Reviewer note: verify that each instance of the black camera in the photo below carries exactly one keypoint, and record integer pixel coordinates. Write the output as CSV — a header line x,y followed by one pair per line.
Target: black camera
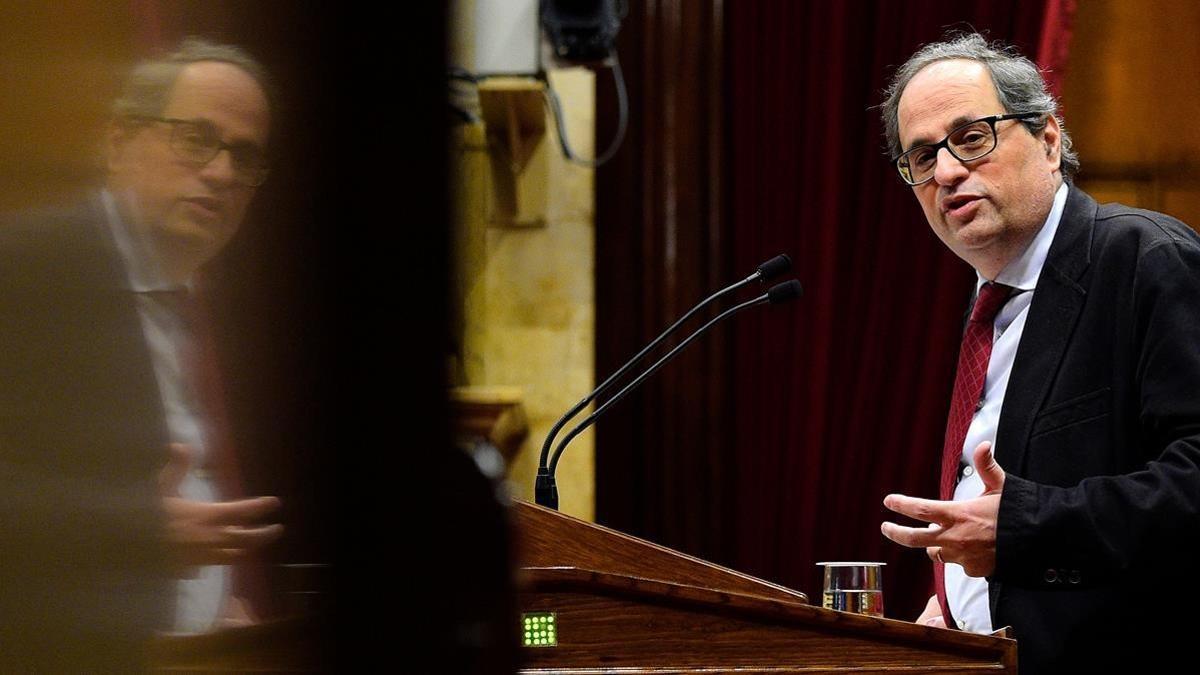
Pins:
x,y
582,31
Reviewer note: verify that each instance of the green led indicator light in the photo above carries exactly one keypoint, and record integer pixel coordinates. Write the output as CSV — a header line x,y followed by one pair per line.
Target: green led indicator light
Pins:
x,y
539,629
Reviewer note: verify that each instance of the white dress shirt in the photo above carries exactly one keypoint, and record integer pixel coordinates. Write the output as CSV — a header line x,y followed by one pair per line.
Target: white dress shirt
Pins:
x,y
968,596
200,597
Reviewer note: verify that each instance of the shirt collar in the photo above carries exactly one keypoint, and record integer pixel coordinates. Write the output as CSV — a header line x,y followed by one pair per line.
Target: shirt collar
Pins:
x,y
137,253
1023,272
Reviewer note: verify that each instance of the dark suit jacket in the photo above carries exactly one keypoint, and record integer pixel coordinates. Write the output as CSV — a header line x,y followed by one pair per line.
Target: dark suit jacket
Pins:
x,y
82,436
1099,524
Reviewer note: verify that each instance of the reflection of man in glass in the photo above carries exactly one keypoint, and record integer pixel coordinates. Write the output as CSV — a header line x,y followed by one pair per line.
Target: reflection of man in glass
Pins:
x,y
186,151
106,445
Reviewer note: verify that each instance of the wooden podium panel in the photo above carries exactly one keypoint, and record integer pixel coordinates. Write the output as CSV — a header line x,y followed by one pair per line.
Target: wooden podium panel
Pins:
x,y
625,605
547,538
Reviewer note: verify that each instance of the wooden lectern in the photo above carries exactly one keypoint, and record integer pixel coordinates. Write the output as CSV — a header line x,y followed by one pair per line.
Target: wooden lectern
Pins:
x,y
620,604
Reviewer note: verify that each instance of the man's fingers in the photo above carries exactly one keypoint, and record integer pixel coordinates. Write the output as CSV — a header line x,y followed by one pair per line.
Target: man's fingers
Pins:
x,y
242,540
218,533
934,553
236,613
921,509
249,537
932,608
912,537
243,510
239,512
928,510
989,470
229,536
223,545
217,556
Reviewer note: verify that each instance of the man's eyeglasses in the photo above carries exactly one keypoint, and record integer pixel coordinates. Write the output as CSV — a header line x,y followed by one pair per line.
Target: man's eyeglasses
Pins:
x,y
199,142
967,142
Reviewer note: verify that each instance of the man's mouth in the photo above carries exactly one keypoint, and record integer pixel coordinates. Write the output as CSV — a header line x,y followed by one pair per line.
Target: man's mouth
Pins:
x,y
959,205
207,205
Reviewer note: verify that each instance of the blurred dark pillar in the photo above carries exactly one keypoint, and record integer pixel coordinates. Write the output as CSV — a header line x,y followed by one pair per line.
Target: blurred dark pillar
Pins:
x,y
334,307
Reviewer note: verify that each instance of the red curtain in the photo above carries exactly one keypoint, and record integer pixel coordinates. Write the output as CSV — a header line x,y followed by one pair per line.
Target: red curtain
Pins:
x,y
1054,45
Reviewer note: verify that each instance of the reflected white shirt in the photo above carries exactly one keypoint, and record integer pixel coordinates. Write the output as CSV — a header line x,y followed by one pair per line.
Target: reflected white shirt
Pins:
x,y
199,598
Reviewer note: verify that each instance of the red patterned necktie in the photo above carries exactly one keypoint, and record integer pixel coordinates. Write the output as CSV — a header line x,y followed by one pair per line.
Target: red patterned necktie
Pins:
x,y
199,366
973,357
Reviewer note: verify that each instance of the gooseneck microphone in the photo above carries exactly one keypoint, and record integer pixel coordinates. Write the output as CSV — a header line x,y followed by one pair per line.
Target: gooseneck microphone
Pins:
x,y
545,489
784,292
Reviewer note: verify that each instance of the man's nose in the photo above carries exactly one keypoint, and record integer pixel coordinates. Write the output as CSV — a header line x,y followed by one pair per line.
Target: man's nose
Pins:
x,y
219,169
949,169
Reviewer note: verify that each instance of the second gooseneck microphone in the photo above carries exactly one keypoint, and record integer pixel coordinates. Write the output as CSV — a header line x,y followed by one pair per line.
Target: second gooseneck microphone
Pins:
x,y
545,488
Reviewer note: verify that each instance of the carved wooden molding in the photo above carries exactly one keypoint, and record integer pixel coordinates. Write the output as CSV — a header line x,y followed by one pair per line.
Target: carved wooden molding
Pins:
x,y
494,413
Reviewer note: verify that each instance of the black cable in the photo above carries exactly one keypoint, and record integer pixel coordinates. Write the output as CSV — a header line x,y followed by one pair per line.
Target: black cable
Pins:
x,y
462,112
456,73
463,115
587,421
622,118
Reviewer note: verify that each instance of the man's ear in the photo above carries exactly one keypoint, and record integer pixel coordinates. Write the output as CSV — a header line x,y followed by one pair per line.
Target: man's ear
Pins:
x,y
1052,137
116,141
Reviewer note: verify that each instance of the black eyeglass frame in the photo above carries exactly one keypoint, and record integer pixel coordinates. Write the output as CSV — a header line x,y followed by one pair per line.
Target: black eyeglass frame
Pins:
x,y
945,142
248,173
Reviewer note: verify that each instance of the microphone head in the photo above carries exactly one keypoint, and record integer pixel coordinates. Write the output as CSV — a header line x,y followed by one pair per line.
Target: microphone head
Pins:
x,y
774,267
788,290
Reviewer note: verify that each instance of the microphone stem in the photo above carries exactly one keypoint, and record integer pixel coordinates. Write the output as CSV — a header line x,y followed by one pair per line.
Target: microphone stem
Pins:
x,y
604,386
642,378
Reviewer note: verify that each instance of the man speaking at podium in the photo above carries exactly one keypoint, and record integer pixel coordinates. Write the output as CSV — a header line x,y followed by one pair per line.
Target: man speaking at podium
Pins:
x,y
1070,491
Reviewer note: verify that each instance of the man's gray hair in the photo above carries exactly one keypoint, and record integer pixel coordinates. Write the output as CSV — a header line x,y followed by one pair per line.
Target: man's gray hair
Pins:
x,y
1019,87
149,84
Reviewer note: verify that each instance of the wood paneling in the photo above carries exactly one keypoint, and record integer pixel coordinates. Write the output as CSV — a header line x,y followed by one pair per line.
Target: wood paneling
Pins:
x,y
59,69
549,539
1132,103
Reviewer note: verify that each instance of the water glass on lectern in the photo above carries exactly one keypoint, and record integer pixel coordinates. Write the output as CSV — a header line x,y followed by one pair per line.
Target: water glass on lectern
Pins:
x,y
853,587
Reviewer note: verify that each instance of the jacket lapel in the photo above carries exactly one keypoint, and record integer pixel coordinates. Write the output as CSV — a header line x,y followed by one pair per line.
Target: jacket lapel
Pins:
x,y
1057,302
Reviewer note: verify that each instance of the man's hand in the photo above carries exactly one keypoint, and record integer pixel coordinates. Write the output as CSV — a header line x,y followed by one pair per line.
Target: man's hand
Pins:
x,y
932,615
236,614
959,532
212,533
